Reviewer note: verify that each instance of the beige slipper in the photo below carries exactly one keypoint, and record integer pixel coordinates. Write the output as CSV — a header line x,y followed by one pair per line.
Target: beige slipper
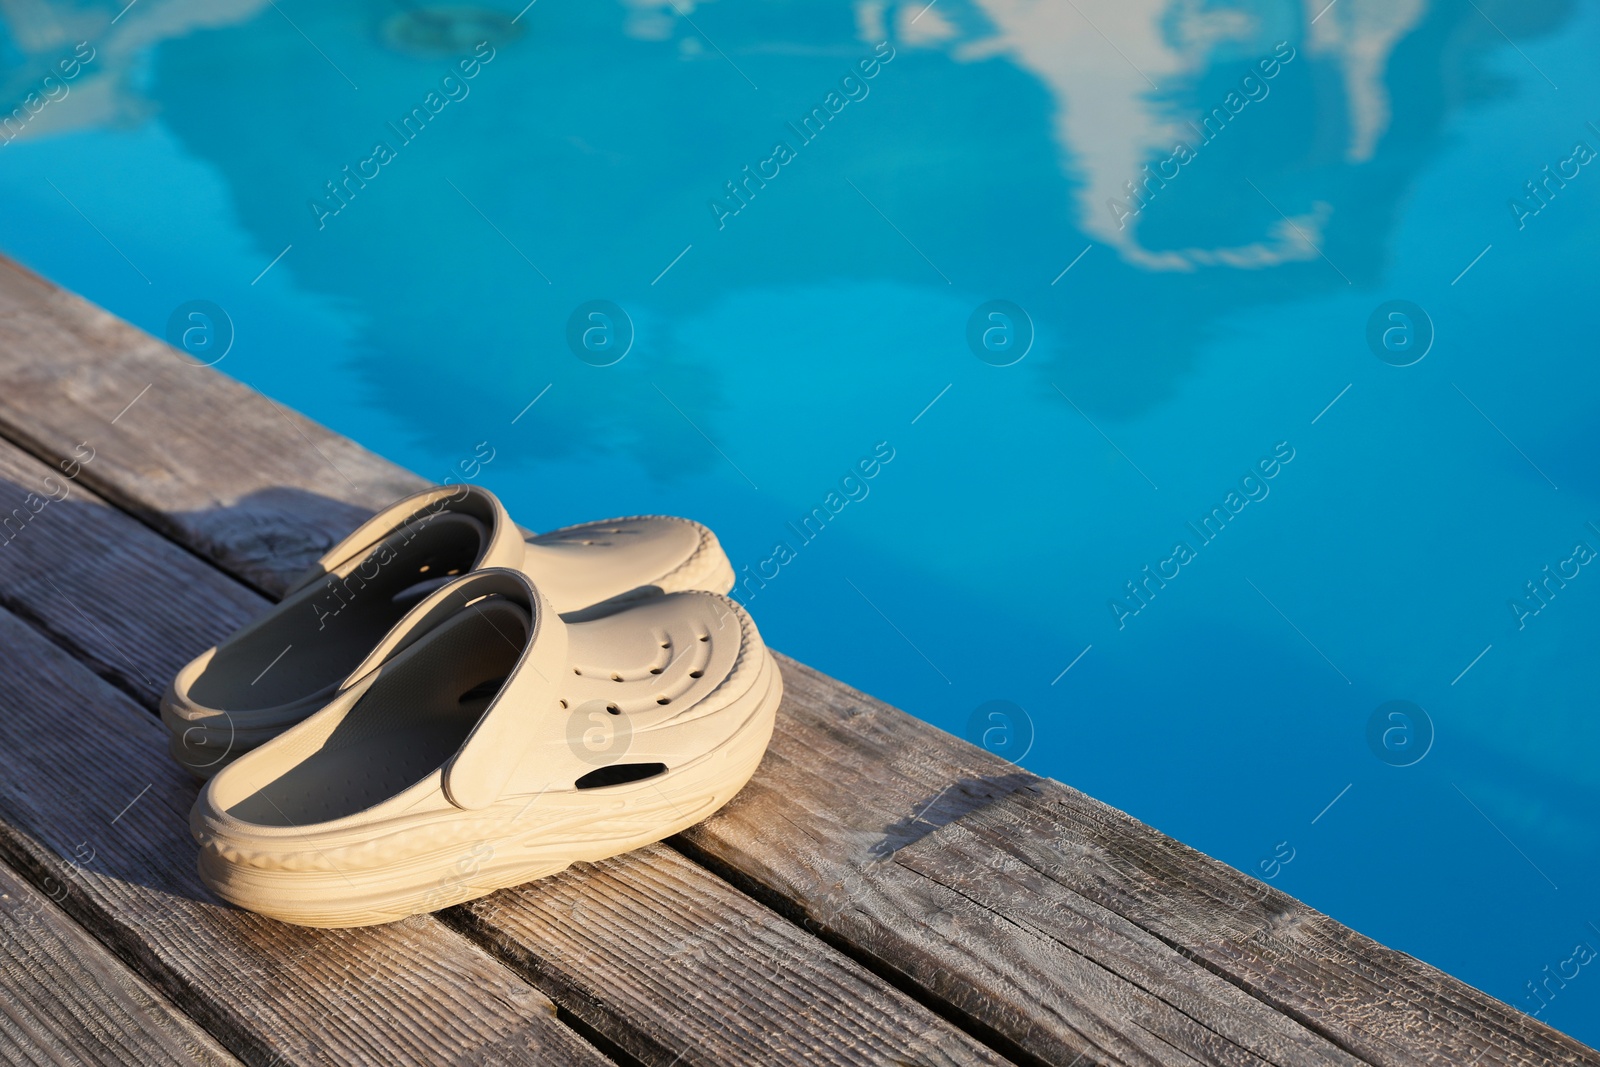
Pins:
x,y
487,743
282,667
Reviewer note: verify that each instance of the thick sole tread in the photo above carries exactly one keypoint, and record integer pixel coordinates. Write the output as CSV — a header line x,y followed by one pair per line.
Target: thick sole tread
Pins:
x,y
649,811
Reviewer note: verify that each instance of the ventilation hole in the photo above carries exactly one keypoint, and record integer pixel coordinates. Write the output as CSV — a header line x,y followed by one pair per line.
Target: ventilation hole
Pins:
x,y
423,569
696,674
705,637
482,691
615,677
620,774
563,704
576,671
663,700
585,542
666,644
655,670
613,709
453,570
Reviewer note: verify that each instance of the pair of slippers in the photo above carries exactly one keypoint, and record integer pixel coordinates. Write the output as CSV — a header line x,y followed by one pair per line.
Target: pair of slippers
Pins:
x,y
440,709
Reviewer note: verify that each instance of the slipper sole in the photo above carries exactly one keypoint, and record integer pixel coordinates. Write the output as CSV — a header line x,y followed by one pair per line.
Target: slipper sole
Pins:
x,y
531,842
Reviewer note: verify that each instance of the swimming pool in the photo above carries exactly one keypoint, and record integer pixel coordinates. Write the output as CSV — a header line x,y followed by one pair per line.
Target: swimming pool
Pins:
x,y
1193,403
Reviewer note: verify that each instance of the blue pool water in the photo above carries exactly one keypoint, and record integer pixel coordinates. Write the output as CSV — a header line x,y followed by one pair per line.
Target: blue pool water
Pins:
x,y
1335,691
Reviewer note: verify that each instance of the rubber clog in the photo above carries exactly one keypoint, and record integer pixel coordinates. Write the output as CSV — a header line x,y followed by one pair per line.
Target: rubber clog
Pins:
x,y
487,743
280,668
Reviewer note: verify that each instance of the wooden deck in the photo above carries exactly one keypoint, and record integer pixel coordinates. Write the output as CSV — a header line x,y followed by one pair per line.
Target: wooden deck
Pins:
x,y
881,893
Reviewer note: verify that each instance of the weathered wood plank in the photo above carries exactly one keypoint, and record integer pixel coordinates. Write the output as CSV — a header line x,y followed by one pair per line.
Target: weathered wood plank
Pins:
x,y
1288,953
231,477
852,822
650,948
108,573
888,823
65,999
92,808
1046,970
62,549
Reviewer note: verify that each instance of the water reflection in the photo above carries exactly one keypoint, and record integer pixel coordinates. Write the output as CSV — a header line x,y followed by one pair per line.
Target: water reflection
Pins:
x,y
36,35
1135,84
1204,144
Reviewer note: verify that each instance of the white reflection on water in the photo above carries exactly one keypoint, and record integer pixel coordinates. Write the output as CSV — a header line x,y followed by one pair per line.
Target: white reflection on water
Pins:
x,y
107,94
1120,73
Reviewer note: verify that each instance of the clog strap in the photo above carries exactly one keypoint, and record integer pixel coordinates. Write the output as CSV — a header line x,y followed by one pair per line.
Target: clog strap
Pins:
x,y
476,776
497,746
505,547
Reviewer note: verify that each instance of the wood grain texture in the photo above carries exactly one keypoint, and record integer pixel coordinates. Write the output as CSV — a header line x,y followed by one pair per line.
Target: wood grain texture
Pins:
x,y
678,969
859,788
235,474
94,813
84,569
65,999
64,551
1067,930
934,858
